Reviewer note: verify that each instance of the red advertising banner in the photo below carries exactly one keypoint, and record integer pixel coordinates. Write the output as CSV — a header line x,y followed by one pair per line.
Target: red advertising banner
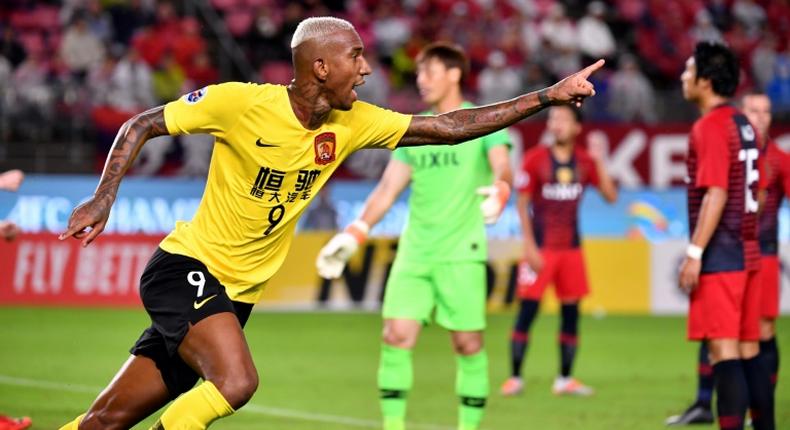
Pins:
x,y
639,155
42,270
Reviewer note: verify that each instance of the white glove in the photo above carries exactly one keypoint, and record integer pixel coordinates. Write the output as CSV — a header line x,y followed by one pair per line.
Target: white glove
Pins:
x,y
496,195
334,255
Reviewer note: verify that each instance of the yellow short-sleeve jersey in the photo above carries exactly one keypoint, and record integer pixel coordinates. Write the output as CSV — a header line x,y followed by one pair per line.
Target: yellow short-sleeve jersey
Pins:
x,y
265,168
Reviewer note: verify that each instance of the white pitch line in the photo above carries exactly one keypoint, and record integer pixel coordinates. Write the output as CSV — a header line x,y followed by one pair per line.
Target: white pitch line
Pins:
x,y
248,408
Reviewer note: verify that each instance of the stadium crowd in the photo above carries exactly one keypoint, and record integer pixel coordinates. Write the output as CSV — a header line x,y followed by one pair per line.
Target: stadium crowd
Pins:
x,y
84,66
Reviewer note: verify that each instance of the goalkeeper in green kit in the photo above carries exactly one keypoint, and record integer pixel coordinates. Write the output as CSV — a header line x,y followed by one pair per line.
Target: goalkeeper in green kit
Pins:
x,y
440,268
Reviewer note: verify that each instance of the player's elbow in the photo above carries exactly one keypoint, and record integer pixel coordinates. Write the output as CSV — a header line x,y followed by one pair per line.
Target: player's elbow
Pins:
x,y
611,195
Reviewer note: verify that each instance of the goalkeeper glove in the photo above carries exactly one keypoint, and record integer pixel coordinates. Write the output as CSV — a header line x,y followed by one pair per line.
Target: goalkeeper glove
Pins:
x,y
335,254
496,195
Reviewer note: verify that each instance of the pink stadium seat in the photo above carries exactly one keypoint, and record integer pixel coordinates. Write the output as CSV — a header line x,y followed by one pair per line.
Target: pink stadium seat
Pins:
x,y
32,41
255,4
23,20
225,5
277,72
239,21
47,18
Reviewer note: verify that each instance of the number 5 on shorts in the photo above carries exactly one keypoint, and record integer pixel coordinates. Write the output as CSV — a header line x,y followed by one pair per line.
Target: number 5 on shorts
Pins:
x,y
197,279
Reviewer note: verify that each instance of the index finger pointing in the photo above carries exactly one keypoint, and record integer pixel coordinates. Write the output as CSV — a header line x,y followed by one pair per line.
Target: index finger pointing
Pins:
x,y
589,70
72,230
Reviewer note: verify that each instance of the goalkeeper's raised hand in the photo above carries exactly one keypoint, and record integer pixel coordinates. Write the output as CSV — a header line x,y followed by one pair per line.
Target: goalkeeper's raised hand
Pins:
x,y
335,254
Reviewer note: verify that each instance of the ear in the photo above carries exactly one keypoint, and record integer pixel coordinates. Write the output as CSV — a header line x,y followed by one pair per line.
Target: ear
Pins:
x,y
320,69
454,75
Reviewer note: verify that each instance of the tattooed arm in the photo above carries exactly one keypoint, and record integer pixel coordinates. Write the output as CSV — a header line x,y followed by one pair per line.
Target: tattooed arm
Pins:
x,y
465,124
133,134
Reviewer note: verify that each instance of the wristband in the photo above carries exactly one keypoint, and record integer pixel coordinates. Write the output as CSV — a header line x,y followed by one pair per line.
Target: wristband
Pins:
x,y
694,252
359,229
543,98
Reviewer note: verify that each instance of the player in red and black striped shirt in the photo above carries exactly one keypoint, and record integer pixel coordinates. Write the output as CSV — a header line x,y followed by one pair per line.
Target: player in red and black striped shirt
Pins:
x,y
776,169
720,271
552,180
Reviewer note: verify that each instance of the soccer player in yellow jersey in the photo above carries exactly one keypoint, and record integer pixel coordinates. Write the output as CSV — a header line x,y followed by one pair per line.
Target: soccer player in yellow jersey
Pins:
x,y
275,148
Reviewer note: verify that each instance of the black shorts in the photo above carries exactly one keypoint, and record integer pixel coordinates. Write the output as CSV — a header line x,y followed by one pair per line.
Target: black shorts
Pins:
x,y
178,291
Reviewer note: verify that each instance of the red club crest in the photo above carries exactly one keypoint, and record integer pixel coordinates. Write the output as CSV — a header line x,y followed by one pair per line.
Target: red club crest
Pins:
x,y
324,148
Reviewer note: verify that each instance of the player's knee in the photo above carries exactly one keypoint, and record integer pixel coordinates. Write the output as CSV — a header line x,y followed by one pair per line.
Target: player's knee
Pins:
x,y
238,388
468,346
393,336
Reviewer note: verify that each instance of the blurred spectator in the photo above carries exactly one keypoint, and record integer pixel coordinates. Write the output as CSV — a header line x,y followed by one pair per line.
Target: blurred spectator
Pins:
x,y
720,13
265,43
368,163
151,46
560,35
80,49
201,71
197,154
188,43
377,87
534,77
595,39
30,91
390,27
99,21
498,81
703,29
168,79
10,48
631,95
750,14
779,87
322,215
127,18
117,97
764,61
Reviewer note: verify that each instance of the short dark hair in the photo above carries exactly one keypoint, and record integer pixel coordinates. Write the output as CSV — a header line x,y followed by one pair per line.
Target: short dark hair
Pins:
x,y
450,54
718,64
578,116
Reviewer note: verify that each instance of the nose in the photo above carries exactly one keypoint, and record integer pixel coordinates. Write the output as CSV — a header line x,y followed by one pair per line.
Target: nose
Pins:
x,y
365,69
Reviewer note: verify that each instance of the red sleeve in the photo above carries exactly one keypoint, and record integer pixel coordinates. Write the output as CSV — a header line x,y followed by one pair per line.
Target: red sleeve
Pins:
x,y
526,178
762,167
713,154
591,167
785,173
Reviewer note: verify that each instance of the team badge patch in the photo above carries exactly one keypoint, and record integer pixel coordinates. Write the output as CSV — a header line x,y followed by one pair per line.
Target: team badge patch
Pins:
x,y
324,148
195,96
564,175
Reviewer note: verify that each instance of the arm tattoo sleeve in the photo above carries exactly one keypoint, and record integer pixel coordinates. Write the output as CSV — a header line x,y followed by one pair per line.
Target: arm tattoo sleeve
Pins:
x,y
128,142
465,124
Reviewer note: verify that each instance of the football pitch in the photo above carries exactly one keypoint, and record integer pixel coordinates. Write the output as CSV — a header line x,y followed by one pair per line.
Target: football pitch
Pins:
x,y
318,371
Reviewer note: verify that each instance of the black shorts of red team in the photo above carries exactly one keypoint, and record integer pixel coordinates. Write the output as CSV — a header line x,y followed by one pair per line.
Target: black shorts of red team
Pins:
x,y
723,153
179,291
555,190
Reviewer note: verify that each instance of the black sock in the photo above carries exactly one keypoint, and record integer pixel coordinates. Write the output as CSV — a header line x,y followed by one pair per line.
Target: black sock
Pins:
x,y
761,394
519,339
568,337
732,397
704,377
770,354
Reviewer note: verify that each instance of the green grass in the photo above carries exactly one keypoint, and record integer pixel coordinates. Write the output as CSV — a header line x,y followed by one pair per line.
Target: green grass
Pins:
x,y
322,364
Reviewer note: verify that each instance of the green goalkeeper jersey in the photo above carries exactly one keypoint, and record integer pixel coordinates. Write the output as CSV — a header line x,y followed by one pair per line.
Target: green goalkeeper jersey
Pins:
x,y
444,221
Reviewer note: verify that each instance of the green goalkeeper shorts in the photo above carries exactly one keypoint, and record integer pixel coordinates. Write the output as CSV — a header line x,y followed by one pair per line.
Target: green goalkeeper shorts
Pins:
x,y
455,290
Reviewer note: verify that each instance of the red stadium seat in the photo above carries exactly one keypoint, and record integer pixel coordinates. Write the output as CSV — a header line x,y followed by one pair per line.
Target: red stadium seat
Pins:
x,y
239,21
32,41
278,72
225,5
